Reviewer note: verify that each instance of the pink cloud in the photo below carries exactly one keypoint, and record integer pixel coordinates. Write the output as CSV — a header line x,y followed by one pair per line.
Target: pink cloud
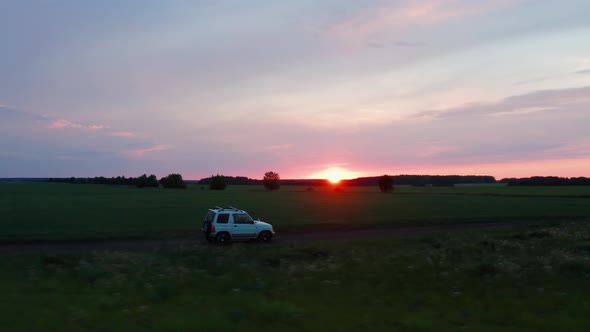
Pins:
x,y
142,152
63,123
393,17
122,134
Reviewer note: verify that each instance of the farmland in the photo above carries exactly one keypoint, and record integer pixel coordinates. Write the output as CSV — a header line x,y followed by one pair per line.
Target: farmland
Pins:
x,y
32,211
526,278
529,279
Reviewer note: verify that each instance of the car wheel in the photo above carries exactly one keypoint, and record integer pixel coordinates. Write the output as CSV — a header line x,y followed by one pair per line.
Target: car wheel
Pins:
x,y
222,239
265,237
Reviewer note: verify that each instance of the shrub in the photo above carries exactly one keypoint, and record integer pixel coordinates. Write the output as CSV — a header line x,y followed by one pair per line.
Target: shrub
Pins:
x,y
386,183
152,181
271,180
173,181
217,182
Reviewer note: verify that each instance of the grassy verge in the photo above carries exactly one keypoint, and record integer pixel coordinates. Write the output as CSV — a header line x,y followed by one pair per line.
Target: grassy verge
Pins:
x,y
533,279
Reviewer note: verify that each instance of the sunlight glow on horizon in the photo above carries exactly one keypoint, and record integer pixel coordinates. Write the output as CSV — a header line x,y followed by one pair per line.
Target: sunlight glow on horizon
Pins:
x,y
335,174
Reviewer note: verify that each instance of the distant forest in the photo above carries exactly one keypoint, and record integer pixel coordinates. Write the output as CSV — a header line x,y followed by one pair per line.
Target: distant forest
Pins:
x,y
417,180
411,180
547,181
414,180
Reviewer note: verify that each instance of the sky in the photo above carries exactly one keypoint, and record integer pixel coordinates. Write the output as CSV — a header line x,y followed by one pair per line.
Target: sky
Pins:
x,y
304,88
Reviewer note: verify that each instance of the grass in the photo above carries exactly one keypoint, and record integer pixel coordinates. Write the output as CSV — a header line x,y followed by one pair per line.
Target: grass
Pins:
x,y
64,211
531,279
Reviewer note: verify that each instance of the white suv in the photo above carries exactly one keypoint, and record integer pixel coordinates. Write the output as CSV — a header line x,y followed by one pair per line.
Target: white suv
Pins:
x,y
231,224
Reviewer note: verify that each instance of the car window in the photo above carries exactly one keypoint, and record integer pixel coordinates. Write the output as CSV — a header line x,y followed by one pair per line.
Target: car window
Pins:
x,y
222,218
242,218
210,216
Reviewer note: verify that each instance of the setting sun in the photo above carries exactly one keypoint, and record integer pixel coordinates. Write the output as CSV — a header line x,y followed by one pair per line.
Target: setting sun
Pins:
x,y
334,178
335,174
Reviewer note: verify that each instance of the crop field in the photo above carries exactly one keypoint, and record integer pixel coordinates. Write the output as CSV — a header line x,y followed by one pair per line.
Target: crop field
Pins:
x,y
528,279
32,211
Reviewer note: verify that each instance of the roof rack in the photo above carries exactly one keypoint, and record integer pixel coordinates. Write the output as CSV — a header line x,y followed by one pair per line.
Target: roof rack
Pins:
x,y
225,209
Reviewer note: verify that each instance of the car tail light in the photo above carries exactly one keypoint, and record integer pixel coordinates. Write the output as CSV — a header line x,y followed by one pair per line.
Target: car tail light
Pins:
x,y
212,228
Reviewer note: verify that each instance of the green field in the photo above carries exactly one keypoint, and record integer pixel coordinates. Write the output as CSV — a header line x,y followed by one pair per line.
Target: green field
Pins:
x,y
535,279
66,211
529,278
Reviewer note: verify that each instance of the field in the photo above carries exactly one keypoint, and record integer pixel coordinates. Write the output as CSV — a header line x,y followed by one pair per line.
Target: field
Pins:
x,y
526,278
32,211
535,279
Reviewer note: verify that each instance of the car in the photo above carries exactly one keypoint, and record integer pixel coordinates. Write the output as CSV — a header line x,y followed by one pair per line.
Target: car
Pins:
x,y
224,225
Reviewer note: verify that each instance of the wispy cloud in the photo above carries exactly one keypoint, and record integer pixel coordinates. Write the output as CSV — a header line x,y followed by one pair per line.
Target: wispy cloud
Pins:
x,y
142,152
63,123
405,43
583,71
533,80
539,101
122,134
393,16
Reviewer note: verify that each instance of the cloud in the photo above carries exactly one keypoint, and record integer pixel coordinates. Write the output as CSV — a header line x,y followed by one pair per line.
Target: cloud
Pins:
x,y
9,113
394,17
404,43
538,126
400,43
144,151
63,123
23,118
539,101
583,71
122,134
533,80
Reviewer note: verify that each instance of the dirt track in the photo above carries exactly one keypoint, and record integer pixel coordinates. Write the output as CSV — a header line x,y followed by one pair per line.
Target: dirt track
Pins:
x,y
344,235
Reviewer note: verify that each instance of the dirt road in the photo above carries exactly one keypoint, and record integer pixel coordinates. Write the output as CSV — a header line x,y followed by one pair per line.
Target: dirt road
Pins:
x,y
54,247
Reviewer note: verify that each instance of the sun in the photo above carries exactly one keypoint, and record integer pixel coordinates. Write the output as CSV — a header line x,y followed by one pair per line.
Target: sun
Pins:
x,y
334,177
335,174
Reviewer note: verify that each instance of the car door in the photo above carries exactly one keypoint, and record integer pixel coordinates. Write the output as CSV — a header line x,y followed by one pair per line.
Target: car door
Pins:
x,y
222,222
243,226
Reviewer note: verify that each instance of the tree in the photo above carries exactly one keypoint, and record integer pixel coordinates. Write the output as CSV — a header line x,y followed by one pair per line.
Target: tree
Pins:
x,y
271,180
385,183
217,182
152,181
173,181
140,182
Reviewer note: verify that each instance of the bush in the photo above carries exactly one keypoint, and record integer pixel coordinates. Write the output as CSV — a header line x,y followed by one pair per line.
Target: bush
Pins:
x,y
217,182
271,180
140,181
152,181
173,181
386,183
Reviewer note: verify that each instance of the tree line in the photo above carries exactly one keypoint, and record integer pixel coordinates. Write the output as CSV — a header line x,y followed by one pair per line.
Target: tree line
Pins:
x,y
272,181
413,180
547,181
174,181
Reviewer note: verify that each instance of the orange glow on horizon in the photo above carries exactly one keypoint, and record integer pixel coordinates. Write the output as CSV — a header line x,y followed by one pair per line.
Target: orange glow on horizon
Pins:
x,y
335,174
573,167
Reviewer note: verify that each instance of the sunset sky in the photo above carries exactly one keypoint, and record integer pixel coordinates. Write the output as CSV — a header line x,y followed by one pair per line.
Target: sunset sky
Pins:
x,y
303,88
